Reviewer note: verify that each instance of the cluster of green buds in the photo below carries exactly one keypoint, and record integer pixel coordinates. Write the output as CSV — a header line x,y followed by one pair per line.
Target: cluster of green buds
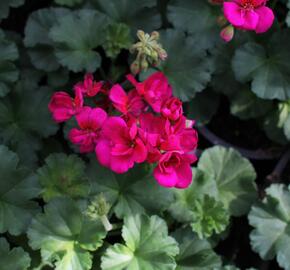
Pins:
x,y
99,209
149,51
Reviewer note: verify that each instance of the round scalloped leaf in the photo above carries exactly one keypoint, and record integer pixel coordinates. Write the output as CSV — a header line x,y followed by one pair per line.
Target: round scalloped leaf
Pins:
x,y
198,18
188,70
69,3
40,45
133,192
14,259
232,178
246,105
133,13
20,126
192,206
63,175
271,221
275,122
8,70
194,254
76,37
17,188
147,246
266,67
5,6
65,235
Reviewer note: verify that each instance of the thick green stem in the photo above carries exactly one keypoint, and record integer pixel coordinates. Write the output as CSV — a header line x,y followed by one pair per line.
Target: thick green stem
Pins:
x,y
108,226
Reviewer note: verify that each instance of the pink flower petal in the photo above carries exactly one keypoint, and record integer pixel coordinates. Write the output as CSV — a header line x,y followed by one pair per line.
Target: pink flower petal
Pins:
x,y
266,19
165,180
251,20
184,174
233,13
103,152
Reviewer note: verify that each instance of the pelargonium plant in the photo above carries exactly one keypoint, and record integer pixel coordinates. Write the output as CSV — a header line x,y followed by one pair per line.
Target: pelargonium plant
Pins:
x,y
144,125
144,135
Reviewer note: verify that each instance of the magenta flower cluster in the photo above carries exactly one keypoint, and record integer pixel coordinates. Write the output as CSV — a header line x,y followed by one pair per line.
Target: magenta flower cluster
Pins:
x,y
145,124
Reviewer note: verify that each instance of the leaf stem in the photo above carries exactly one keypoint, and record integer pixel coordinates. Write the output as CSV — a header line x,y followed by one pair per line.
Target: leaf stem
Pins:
x,y
279,168
258,154
108,226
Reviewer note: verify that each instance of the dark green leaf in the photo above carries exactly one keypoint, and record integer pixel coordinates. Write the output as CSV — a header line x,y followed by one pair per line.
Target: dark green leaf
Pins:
x,y
63,175
17,187
195,254
76,36
133,192
266,67
65,236
14,259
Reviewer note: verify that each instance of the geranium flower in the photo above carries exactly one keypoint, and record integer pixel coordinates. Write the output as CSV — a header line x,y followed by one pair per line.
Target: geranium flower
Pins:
x,y
172,109
126,103
249,14
155,89
89,87
173,170
90,122
63,106
120,146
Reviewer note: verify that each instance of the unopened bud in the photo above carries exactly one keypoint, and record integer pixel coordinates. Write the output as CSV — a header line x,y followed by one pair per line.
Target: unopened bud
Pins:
x,y
227,33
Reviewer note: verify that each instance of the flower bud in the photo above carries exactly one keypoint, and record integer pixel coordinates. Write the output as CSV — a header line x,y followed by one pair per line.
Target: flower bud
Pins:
x,y
227,33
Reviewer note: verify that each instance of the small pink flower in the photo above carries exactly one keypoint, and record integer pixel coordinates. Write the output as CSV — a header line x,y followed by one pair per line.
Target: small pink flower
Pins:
x,y
90,122
152,132
172,109
187,136
249,14
126,103
89,87
155,89
63,106
173,170
120,147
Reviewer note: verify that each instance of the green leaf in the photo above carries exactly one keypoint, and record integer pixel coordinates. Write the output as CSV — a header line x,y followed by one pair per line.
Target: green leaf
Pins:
x,y
209,216
271,221
203,107
69,3
8,70
135,14
198,18
195,254
17,187
275,122
205,214
188,70
266,67
63,175
76,36
65,236
130,193
117,37
14,259
5,5
246,105
20,126
40,45
232,178
147,246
